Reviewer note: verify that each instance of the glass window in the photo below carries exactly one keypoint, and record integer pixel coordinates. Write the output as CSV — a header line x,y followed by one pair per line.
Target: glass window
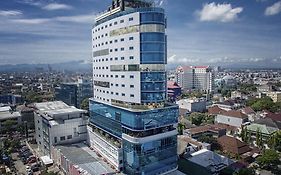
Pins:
x,y
150,17
153,58
131,19
131,38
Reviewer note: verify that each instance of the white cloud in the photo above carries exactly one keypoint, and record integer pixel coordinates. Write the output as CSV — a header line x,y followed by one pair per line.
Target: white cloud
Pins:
x,y
219,12
274,9
10,13
31,21
174,60
87,18
56,6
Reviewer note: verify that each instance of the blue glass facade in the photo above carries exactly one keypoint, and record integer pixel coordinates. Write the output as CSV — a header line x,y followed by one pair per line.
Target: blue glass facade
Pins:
x,y
112,119
153,87
152,157
152,17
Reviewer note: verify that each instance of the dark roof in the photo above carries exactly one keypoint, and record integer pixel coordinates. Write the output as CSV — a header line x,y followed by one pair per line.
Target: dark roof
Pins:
x,y
269,122
234,113
248,110
214,110
233,145
227,102
274,116
202,129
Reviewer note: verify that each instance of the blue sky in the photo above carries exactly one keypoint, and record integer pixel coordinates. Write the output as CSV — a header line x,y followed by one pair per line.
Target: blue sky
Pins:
x,y
246,32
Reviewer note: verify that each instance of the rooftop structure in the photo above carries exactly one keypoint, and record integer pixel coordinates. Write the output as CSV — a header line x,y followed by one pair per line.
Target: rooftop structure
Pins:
x,y
6,113
81,159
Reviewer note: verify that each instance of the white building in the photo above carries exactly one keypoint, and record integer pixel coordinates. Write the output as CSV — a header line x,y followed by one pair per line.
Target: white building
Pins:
x,y
232,118
57,123
129,115
193,105
195,78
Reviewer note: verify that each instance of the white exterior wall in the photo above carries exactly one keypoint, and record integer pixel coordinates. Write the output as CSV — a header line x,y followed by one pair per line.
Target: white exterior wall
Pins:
x,y
197,78
192,106
105,95
112,153
232,121
68,128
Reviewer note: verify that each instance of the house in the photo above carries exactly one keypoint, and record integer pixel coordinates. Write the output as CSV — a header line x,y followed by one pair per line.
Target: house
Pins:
x,y
233,145
215,110
232,118
174,90
203,162
189,145
275,117
227,105
207,130
266,131
252,116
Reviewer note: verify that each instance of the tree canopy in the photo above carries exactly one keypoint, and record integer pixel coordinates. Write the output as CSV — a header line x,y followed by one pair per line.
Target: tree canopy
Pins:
x,y
269,160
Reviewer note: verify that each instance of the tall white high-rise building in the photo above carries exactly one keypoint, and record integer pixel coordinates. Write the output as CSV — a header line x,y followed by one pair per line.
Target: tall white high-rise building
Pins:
x,y
131,124
195,78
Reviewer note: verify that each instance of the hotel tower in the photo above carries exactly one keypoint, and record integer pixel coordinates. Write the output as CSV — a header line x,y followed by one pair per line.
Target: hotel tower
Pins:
x,y
131,124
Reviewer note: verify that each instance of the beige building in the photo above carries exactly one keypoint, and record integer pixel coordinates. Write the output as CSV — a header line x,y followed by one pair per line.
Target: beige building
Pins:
x,y
275,96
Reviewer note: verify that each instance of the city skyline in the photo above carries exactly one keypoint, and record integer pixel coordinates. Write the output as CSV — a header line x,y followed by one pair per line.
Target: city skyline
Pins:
x,y
225,32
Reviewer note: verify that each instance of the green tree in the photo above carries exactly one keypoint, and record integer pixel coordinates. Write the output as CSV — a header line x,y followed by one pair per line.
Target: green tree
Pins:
x,y
85,104
264,103
259,138
197,118
181,127
244,134
8,125
274,142
269,160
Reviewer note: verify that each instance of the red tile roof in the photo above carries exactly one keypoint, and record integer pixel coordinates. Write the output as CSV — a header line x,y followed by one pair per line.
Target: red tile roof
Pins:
x,y
172,85
234,113
274,116
206,128
233,145
215,110
248,110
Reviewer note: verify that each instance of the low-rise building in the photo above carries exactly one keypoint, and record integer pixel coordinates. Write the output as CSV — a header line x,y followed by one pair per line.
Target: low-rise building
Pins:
x,y
252,116
265,131
232,118
275,96
207,130
6,113
204,162
57,123
193,105
233,145
174,90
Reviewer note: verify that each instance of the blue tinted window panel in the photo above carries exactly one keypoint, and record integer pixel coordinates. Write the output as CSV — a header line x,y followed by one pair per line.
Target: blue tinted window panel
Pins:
x,y
152,18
